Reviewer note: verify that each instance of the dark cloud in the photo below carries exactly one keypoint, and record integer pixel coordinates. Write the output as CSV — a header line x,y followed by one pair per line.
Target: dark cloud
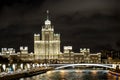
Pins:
x,y
90,23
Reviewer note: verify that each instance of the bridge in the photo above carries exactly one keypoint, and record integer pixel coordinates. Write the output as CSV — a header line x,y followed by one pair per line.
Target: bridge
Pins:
x,y
42,68
60,66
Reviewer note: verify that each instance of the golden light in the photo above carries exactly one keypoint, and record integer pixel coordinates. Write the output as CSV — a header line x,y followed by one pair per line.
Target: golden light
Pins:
x,y
94,72
49,72
62,72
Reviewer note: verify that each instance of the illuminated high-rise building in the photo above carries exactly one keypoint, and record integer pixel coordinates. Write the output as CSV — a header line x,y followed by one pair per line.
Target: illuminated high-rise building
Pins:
x,y
47,45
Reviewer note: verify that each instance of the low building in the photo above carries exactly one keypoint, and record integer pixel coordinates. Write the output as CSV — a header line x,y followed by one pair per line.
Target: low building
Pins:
x,y
24,55
8,51
83,57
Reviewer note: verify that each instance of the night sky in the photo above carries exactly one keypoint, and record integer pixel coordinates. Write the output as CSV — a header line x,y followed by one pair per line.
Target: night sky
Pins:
x,y
92,24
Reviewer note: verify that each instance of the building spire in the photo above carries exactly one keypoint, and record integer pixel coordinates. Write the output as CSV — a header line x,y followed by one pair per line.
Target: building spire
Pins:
x,y
47,14
47,21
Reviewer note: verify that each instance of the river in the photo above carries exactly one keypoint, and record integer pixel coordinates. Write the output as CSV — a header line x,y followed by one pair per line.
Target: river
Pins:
x,y
74,75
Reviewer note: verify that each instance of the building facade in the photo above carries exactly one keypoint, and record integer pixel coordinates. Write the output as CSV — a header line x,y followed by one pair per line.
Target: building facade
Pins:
x,y
84,56
47,49
47,45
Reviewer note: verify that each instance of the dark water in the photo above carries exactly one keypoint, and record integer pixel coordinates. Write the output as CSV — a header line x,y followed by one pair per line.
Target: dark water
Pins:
x,y
74,75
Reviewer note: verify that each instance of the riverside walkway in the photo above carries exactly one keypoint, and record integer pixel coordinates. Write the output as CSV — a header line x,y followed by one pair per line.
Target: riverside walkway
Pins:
x,y
24,73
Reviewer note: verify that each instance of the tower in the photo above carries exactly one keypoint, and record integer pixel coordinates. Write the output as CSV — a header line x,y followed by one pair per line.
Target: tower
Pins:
x,y
48,47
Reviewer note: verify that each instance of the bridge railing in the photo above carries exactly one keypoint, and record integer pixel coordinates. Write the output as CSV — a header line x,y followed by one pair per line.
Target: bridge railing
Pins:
x,y
59,66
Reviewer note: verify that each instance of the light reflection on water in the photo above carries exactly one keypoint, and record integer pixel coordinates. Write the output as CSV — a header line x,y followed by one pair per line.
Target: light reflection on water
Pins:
x,y
74,75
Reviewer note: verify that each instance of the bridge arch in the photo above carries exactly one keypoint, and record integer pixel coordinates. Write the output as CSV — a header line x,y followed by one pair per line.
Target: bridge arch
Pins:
x,y
71,65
